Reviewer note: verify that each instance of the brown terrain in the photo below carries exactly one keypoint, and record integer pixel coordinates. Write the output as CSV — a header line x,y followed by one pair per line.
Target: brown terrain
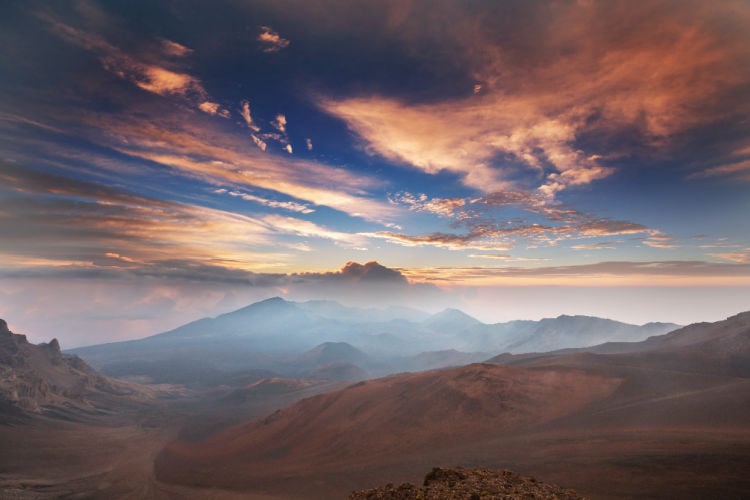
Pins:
x,y
67,431
37,378
663,418
659,421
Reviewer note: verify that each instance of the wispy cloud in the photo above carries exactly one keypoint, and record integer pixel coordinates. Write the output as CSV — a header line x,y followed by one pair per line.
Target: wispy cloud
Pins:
x,y
599,245
247,116
292,206
308,229
202,149
445,207
545,223
739,170
84,224
271,41
738,257
649,273
658,240
155,76
175,49
72,226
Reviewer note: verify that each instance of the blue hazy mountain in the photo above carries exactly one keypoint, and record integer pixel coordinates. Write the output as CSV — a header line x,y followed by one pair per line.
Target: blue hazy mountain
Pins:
x,y
282,337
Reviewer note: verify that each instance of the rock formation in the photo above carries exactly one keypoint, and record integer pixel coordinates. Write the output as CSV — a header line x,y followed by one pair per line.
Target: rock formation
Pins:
x,y
459,483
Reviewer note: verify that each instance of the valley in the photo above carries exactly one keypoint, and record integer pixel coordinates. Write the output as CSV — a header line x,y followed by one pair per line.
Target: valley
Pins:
x,y
663,417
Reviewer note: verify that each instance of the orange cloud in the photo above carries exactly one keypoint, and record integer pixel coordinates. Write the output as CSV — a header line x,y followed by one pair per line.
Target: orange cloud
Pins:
x,y
445,207
738,257
657,240
155,77
739,170
174,49
279,123
270,40
489,229
245,113
214,109
307,229
656,273
604,68
200,149
286,205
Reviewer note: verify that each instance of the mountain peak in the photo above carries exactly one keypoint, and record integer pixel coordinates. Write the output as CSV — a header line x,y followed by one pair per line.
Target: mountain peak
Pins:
x,y
452,315
270,304
272,300
4,328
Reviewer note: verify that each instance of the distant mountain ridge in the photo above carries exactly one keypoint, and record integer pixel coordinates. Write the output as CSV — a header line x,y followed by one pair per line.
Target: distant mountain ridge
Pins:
x,y
274,333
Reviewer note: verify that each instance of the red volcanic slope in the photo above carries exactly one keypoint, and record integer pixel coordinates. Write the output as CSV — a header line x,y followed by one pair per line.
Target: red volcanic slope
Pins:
x,y
393,416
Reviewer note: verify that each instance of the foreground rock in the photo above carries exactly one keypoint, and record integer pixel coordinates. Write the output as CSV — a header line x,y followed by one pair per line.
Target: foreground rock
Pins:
x,y
464,484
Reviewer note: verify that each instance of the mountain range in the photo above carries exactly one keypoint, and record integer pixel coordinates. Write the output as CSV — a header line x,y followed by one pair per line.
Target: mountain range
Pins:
x,y
664,417
291,338
661,418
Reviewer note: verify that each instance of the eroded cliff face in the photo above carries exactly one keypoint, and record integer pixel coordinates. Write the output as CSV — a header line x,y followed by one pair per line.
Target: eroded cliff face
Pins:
x,y
35,377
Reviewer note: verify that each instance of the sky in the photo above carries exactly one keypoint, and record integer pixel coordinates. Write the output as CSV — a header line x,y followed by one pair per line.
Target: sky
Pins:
x,y
162,161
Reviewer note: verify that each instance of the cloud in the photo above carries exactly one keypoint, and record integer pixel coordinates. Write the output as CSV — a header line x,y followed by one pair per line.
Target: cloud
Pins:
x,y
552,78
174,49
155,76
178,140
546,222
75,225
309,144
286,205
498,256
465,137
270,41
279,123
355,273
738,257
445,207
81,225
245,113
303,228
599,245
213,109
620,273
738,170
259,142
657,240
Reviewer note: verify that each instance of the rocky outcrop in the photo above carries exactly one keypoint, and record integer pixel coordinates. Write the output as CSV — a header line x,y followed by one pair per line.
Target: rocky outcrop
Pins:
x,y
34,378
459,483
